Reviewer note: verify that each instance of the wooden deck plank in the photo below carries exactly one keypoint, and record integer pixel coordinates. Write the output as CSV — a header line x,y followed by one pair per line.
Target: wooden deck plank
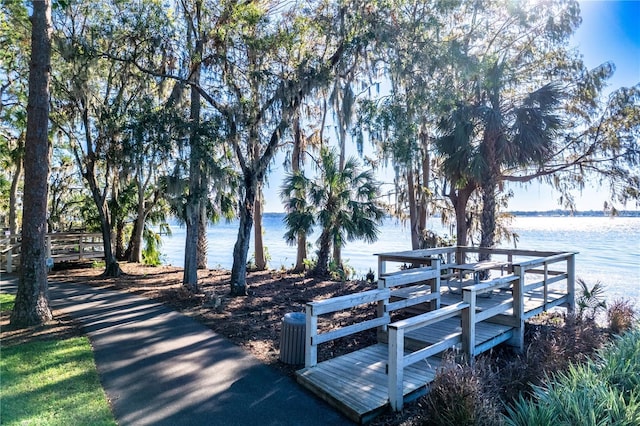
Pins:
x,y
533,300
356,383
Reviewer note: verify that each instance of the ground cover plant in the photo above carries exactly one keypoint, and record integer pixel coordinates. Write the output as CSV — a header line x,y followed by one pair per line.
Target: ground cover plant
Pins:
x,y
603,391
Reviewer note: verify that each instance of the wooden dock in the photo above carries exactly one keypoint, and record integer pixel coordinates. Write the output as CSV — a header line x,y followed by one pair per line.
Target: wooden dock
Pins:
x,y
437,317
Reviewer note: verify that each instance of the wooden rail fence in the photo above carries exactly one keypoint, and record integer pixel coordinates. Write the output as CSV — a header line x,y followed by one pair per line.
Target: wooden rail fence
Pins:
x,y
61,247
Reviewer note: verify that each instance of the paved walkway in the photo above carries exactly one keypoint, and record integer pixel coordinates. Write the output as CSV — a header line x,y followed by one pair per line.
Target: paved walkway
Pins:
x,y
160,367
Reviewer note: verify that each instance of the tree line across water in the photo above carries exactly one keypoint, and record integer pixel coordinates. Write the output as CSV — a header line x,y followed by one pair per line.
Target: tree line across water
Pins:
x,y
179,108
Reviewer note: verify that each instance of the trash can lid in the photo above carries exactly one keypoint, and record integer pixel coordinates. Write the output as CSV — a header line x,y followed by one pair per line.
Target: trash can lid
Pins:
x,y
294,318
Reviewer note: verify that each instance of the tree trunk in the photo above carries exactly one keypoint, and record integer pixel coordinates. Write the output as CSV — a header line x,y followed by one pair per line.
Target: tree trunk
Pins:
x,y
13,194
322,266
194,198
459,198
138,230
32,299
190,275
241,248
301,253
201,253
488,218
413,211
261,261
296,162
337,255
120,249
423,195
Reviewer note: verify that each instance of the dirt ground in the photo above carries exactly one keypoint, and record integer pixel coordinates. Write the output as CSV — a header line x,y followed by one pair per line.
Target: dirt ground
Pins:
x,y
252,322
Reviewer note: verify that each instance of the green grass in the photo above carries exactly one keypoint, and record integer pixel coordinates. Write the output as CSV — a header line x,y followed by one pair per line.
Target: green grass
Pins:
x,y
6,302
52,382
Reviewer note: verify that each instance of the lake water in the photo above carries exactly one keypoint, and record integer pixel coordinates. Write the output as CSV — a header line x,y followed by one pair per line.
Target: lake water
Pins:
x,y
609,248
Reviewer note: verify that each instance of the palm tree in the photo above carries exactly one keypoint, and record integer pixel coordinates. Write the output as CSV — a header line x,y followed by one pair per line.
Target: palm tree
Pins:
x,y
300,217
484,137
346,207
515,134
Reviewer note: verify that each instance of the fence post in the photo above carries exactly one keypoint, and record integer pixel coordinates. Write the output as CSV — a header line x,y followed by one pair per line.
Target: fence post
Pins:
x,y
571,282
310,348
518,309
81,245
435,286
469,324
395,368
381,310
9,259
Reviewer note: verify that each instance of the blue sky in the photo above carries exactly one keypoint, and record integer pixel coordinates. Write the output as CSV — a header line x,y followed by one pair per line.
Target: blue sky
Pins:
x,y
610,31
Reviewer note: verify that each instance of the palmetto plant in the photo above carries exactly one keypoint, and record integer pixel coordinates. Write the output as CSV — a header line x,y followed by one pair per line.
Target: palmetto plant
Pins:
x,y
590,300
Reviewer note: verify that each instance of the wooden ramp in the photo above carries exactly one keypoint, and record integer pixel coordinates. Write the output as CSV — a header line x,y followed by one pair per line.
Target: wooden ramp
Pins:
x,y
357,383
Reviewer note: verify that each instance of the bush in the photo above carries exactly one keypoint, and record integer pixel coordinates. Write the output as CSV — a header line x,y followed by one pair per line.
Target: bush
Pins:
x,y
621,316
605,391
461,395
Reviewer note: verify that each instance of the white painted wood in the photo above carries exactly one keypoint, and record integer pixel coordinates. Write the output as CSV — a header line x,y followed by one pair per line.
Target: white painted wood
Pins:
x,y
350,329
469,323
396,367
428,318
347,301
498,309
431,350
410,276
310,350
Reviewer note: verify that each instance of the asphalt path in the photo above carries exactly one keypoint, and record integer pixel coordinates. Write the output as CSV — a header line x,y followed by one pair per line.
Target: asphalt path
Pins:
x,y
160,367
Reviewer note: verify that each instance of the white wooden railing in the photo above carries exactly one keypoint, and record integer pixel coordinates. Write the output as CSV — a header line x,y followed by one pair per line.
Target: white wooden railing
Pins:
x,y
314,309
60,246
522,277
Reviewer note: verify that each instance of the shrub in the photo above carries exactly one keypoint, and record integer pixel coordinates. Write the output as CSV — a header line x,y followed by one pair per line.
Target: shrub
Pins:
x,y
461,395
621,316
606,391
552,345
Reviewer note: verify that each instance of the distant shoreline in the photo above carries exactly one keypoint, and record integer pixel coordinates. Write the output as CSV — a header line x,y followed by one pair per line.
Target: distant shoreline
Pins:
x,y
548,213
586,213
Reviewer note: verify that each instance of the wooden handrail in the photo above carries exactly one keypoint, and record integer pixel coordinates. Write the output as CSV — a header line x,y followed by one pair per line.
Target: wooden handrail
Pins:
x,y
398,360
340,303
82,244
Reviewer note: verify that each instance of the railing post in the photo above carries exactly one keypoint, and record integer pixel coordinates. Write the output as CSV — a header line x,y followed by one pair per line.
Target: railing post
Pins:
x,y
381,310
545,288
81,246
382,266
469,324
9,259
310,348
518,309
571,282
395,367
435,285
48,239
